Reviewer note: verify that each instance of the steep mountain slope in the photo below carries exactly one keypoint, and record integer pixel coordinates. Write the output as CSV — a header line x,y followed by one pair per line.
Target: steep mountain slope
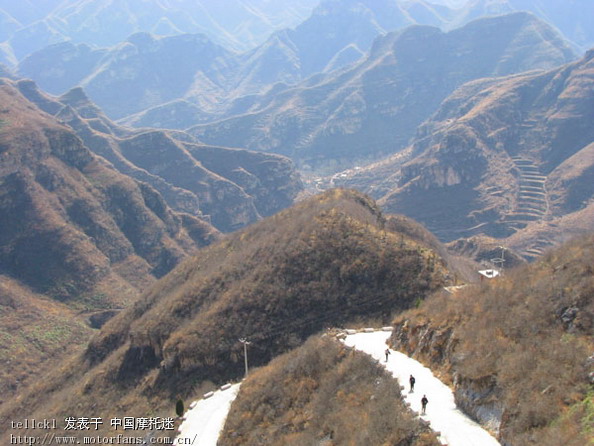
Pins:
x,y
68,219
519,348
375,107
229,187
77,239
327,261
322,392
502,157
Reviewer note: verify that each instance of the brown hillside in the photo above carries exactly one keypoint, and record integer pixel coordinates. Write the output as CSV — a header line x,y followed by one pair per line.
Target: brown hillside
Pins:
x,y
327,261
76,237
505,157
518,349
69,221
228,187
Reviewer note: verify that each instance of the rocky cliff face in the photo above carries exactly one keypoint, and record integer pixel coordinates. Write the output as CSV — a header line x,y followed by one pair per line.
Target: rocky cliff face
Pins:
x,y
433,345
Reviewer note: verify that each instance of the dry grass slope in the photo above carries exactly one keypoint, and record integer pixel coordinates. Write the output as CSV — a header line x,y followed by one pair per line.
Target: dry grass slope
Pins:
x,y
322,393
329,260
76,237
523,341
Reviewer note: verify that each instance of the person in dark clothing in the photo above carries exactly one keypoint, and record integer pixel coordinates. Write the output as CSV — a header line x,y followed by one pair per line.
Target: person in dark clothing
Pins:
x,y
424,402
388,352
411,380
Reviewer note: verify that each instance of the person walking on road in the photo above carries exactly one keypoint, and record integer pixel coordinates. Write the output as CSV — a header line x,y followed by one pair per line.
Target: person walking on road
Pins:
x,y
412,380
424,402
388,353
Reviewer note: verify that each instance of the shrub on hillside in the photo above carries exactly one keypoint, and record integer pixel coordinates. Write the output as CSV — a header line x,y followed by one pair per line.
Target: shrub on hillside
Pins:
x,y
322,393
529,334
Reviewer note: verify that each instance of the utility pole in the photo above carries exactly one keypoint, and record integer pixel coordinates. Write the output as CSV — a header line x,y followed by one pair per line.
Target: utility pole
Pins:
x,y
245,344
500,260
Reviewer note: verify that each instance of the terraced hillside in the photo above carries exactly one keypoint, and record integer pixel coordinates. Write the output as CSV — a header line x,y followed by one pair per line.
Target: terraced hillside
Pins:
x,y
532,202
508,158
532,205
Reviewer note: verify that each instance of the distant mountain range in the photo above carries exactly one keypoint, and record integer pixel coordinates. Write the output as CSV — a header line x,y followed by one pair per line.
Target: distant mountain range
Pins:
x,y
374,108
202,76
179,82
29,25
575,19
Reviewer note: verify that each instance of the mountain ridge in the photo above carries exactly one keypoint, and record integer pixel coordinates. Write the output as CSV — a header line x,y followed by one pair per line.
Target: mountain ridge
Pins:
x,y
230,197
371,109
518,149
265,282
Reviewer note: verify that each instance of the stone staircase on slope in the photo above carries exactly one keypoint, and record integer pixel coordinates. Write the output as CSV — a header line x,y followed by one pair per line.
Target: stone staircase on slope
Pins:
x,y
532,203
537,249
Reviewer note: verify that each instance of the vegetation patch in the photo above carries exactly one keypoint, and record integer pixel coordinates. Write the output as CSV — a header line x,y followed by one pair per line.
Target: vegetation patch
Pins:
x,y
522,341
331,260
36,332
322,393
